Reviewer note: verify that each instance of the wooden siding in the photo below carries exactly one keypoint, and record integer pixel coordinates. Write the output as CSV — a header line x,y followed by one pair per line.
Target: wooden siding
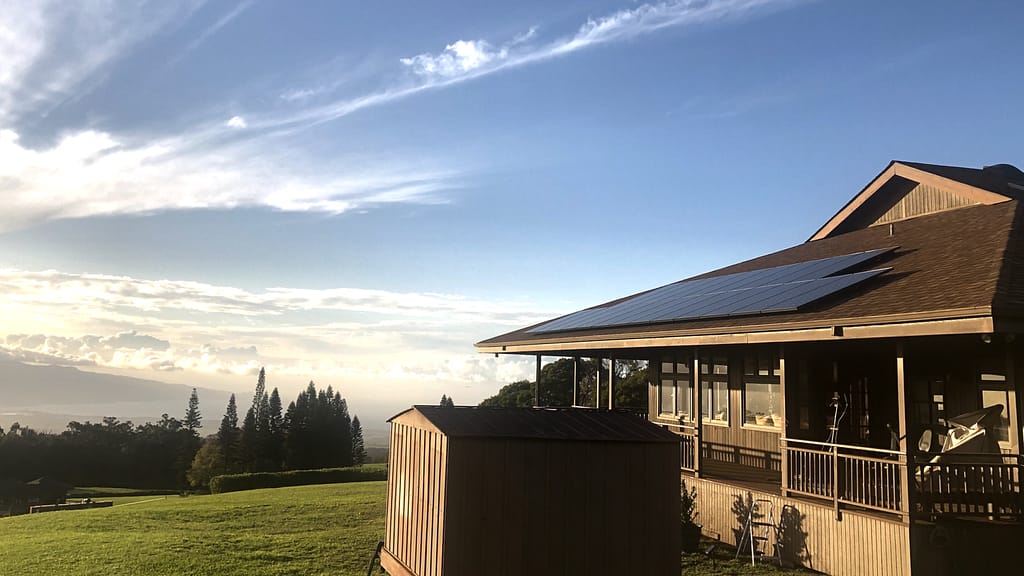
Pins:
x,y
858,545
556,507
416,493
743,446
923,199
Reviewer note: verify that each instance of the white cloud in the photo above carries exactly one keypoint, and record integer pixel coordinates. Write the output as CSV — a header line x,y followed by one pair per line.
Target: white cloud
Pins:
x,y
50,49
464,60
457,59
183,327
93,173
237,122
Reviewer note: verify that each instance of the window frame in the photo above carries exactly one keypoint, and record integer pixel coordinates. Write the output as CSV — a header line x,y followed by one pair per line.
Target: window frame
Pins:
x,y
676,376
709,378
765,368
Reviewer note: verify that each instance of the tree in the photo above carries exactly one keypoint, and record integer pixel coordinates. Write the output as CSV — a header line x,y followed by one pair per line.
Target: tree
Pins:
x,y
193,418
358,447
228,437
208,462
447,402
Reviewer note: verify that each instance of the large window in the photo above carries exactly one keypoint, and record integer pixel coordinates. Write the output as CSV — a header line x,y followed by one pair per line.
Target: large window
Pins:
x,y
714,389
761,391
674,392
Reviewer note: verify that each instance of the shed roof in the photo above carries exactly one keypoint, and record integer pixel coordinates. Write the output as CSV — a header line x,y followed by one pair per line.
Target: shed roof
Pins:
x,y
956,264
579,424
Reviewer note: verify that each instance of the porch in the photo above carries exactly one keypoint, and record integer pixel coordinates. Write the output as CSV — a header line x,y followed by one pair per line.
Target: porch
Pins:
x,y
853,443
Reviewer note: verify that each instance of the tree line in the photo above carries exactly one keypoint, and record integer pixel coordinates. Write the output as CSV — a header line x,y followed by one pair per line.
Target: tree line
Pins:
x,y
314,431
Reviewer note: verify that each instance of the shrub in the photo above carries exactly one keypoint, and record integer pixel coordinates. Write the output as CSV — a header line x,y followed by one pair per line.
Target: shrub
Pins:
x,y
256,480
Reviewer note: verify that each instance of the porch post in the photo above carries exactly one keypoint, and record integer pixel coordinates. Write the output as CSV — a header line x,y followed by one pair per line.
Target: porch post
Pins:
x,y
783,449
1015,410
575,380
698,415
611,383
906,452
597,382
536,388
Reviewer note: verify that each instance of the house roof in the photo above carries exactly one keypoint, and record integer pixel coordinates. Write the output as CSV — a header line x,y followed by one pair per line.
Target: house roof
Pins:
x,y
573,424
954,271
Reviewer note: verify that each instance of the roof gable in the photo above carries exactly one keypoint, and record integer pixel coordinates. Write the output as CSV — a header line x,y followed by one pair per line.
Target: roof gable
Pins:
x,y
909,189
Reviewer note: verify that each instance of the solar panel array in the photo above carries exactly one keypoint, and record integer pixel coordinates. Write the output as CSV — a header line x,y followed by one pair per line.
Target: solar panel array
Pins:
x,y
778,289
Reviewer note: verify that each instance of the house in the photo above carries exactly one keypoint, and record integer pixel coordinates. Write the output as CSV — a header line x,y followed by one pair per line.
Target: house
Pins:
x,y
860,387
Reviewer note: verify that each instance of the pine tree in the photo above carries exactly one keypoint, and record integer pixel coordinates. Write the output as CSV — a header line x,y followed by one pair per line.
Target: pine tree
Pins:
x,y
275,448
193,418
358,447
228,436
446,401
247,445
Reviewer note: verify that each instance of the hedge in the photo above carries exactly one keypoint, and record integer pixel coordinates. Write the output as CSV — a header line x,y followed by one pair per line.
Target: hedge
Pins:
x,y
256,480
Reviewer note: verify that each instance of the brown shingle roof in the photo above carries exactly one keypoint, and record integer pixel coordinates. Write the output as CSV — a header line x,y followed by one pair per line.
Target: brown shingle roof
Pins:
x,y
543,423
946,263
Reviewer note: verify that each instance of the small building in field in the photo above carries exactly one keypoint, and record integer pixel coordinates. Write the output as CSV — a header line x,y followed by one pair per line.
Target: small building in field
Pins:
x,y
512,491
863,384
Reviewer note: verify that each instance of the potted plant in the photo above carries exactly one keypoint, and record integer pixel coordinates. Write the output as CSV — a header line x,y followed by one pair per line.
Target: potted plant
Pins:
x,y
688,518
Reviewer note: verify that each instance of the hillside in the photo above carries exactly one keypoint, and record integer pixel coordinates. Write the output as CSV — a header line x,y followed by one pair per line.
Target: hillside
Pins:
x,y
48,397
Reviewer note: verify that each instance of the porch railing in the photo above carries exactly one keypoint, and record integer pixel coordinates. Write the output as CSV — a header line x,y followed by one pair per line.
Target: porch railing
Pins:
x,y
969,485
848,476
687,443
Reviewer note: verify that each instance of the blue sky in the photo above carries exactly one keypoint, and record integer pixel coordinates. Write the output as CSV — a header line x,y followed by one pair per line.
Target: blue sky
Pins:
x,y
356,192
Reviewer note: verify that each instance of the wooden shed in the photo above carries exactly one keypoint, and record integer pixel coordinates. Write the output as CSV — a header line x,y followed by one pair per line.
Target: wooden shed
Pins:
x,y
511,491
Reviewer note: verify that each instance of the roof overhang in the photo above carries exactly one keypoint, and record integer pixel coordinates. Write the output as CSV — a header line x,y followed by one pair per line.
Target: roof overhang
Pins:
x,y
966,321
899,169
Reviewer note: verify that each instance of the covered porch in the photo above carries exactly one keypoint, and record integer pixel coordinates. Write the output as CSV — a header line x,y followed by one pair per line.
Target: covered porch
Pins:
x,y
840,422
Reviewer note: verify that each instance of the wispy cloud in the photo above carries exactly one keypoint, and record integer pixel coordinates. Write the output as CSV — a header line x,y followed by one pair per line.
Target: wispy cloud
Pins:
x,y
93,173
464,60
50,49
239,161
213,28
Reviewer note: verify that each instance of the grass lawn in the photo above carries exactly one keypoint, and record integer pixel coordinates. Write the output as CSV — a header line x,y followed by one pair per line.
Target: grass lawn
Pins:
x,y
306,530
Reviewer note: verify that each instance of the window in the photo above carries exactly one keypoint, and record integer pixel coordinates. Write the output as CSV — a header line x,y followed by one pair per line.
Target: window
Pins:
x,y
714,389
994,390
674,392
761,389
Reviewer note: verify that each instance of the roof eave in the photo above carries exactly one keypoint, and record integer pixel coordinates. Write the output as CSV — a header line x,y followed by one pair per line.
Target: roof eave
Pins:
x,y
963,321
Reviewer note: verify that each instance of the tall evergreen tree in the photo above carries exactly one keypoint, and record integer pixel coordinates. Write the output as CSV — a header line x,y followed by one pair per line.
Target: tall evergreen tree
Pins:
x,y
193,418
446,401
358,446
247,443
275,448
228,436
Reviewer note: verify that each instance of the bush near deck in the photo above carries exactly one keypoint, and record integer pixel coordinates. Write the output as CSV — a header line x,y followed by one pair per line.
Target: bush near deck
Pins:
x,y
256,480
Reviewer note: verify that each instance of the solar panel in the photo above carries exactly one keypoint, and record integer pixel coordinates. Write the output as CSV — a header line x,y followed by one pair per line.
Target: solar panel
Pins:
x,y
778,289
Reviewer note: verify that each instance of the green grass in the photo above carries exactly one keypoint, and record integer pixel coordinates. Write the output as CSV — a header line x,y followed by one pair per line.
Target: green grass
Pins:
x,y
307,530
722,562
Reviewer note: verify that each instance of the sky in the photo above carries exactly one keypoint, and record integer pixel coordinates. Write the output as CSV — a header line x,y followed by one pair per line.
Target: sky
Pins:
x,y
355,193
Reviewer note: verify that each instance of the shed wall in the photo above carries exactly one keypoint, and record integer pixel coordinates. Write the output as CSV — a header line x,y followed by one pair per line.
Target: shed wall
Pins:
x,y
416,496
561,507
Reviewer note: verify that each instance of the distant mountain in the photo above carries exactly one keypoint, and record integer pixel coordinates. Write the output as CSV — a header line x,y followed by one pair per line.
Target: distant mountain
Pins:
x,y
48,397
